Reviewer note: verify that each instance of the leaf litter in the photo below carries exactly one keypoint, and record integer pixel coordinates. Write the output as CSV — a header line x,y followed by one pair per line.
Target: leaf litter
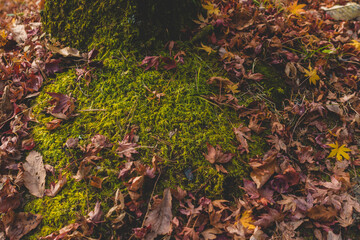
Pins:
x,y
295,185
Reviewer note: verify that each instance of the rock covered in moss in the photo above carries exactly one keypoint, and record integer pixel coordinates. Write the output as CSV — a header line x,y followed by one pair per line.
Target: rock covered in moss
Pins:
x,y
80,23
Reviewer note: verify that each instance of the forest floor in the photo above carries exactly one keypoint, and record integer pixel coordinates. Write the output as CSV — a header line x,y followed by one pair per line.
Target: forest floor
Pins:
x,y
248,130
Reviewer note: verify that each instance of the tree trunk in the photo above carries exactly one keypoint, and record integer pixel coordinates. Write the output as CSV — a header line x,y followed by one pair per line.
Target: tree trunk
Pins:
x,y
112,23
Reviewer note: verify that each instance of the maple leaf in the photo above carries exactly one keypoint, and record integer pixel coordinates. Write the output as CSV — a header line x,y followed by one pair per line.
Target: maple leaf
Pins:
x,y
312,74
242,134
355,44
64,105
216,156
296,9
247,220
3,38
339,152
211,9
207,49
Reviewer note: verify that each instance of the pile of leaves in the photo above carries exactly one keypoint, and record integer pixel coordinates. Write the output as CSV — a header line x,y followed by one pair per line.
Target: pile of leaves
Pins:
x,y
307,179
304,185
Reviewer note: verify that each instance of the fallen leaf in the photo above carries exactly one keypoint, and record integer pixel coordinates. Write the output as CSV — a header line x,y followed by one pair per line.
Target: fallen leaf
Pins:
x,y
159,218
296,9
215,155
242,135
35,173
96,214
247,220
55,188
263,168
210,234
339,152
96,182
207,49
63,107
312,75
65,52
53,124
322,213
19,224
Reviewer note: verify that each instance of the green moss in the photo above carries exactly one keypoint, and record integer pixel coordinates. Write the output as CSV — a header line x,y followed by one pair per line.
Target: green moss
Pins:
x,y
176,127
273,83
115,23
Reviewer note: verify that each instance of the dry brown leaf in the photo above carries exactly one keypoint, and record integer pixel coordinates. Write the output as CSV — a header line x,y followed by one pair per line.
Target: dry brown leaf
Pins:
x,y
242,135
35,174
55,188
82,171
210,234
263,169
19,224
322,213
65,52
96,182
160,217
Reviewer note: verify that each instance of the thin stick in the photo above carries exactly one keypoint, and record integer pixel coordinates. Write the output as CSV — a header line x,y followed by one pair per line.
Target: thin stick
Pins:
x,y
92,110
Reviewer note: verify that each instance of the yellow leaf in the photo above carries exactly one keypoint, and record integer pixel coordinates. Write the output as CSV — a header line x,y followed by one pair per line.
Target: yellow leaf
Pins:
x,y
247,220
355,44
312,74
211,9
233,88
3,37
207,49
339,152
296,9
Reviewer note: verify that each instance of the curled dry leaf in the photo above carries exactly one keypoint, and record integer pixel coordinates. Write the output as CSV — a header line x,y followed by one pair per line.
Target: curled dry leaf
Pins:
x,y
53,124
210,234
55,188
35,173
242,135
216,155
159,218
65,52
63,107
263,168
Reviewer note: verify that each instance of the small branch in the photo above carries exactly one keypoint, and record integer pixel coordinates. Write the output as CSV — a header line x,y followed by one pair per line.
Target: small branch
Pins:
x,y
92,110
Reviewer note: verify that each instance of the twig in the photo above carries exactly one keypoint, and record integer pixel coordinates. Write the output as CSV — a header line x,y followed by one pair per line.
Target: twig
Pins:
x,y
92,110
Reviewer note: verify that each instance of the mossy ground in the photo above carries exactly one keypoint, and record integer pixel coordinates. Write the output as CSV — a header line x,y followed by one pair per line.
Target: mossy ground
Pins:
x,y
122,89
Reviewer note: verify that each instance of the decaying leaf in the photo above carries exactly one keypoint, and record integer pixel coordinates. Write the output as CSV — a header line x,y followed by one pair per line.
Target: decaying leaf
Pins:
x,y
159,218
35,173
215,155
242,134
56,187
19,224
65,52
263,168
322,213
348,12
63,107
210,234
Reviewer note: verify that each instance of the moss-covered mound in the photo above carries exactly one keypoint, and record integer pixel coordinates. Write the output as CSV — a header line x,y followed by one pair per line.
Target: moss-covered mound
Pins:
x,y
175,126
80,23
